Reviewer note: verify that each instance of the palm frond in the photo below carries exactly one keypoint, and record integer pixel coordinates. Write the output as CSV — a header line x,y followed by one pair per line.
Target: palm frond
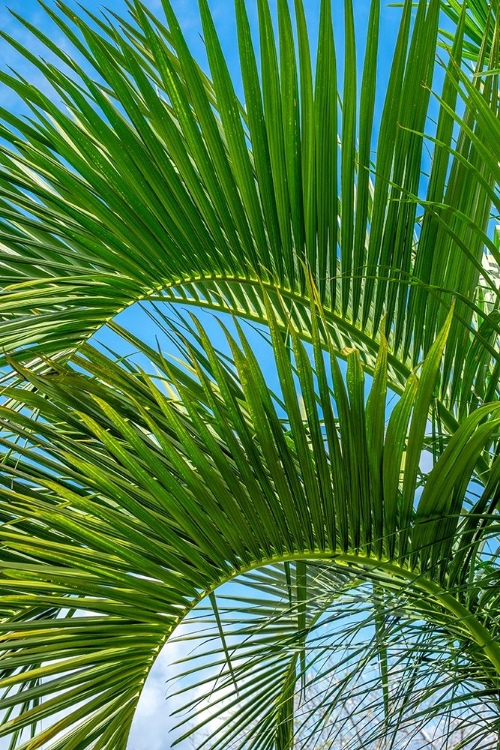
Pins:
x,y
132,496
152,160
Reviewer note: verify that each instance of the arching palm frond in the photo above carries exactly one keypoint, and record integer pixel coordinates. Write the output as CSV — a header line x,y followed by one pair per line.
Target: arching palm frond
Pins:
x,y
153,161
133,496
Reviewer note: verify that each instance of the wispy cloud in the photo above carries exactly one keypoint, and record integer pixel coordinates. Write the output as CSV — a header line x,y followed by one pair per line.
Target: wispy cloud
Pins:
x,y
152,725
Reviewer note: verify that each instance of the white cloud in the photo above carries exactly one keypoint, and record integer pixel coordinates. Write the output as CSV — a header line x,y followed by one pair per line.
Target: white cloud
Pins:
x,y
151,728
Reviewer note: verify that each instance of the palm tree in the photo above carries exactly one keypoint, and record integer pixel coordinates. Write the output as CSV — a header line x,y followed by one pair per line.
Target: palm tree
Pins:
x,y
358,515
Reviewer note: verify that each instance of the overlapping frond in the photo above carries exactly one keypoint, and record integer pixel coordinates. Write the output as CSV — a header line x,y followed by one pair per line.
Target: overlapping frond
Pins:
x,y
131,496
337,653
155,178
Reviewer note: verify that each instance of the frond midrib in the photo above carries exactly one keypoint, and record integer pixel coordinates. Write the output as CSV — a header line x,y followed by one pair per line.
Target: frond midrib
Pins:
x,y
358,561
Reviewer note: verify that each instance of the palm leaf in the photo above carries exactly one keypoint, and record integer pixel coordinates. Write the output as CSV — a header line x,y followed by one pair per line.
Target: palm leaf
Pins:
x,y
194,488
236,199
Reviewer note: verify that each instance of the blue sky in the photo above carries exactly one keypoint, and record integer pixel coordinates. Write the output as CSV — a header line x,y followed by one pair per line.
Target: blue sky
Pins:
x,y
152,719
